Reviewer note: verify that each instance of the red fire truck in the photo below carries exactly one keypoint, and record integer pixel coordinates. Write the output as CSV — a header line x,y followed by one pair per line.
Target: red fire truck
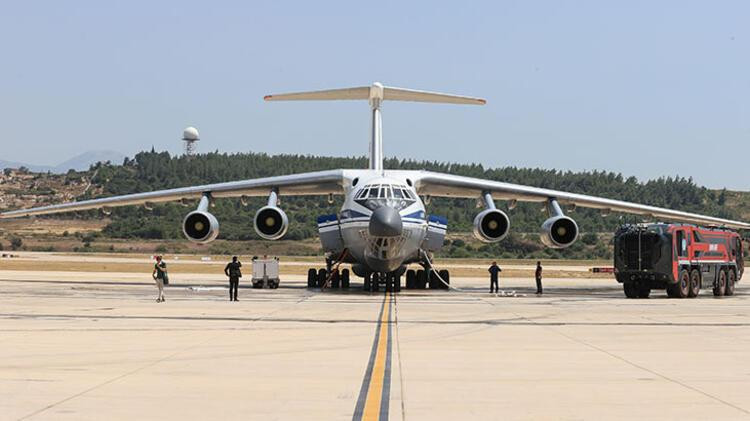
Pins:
x,y
680,258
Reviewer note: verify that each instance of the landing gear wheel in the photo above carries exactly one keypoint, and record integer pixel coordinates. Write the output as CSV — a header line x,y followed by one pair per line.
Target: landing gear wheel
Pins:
x,y
731,281
335,279
312,278
682,287
695,283
720,287
631,291
345,278
434,281
421,281
446,277
411,277
368,280
322,276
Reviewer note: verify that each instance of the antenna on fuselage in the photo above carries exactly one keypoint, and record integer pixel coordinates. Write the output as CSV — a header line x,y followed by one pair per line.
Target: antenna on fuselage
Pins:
x,y
376,94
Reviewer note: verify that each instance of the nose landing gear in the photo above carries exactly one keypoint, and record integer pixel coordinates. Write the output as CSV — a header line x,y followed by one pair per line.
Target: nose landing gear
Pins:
x,y
390,281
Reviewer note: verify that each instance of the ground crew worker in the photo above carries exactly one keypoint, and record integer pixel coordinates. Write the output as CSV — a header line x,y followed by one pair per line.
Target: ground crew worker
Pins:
x,y
538,276
232,270
494,270
160,276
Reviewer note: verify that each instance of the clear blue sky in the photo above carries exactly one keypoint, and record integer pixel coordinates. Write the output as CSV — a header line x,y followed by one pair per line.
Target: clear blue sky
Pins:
x,y
646,88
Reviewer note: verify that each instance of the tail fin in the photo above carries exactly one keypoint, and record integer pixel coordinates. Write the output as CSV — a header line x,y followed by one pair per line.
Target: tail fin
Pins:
x,y
376,94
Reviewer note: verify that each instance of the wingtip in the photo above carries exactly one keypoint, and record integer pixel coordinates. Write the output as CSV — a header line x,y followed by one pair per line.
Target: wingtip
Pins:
x,y
267,97
482,101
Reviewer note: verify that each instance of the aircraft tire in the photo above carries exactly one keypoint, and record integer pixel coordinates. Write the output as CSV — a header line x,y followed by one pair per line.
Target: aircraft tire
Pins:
x,y
434,281
368,279
396,283
720,288
446,276
322,275
335,279
411,276
421,279
345,278
312,277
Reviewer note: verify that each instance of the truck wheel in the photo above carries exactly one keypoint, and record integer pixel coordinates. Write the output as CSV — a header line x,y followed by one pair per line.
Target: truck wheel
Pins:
x,y
731,282
421,280
312,278
410,276
445,276
644,289
682,287
345,278
695,283
720,287
631,291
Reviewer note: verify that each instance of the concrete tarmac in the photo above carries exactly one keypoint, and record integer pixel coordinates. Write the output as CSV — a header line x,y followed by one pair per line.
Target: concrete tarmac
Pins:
x,y
80,346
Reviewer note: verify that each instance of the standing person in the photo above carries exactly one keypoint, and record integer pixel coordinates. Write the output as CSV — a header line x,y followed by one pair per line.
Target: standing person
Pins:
x,y
160,276
494,270
538,276
232,270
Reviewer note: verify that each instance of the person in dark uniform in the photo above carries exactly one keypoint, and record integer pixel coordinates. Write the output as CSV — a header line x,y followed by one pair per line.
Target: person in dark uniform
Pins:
x,y
232,270
160,276
494,270
538,276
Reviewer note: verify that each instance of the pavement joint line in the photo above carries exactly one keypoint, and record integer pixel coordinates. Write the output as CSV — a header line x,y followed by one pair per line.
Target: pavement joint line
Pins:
x,y
646,369
150,364
655,373
398,355
373,402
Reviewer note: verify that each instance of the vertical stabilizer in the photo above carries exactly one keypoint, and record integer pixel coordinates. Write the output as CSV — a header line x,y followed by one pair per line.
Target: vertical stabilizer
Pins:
x,y
376,94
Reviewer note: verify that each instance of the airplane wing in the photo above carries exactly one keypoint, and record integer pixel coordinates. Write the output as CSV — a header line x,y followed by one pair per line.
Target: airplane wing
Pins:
x,y
312,183
446,185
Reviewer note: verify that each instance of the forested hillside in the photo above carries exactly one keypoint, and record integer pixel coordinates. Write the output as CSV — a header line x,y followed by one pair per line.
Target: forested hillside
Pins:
x,y
152,170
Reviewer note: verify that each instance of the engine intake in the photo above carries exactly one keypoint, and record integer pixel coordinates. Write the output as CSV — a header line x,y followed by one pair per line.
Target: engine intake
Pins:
x,y
559,232
271,223
491,225
200,227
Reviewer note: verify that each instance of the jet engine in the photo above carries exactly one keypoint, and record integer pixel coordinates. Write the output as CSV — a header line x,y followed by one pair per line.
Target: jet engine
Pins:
x,y
200,226
491,225
271,222
559,231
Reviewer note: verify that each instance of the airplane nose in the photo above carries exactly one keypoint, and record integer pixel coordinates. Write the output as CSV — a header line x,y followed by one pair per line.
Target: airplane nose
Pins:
x,y
385,222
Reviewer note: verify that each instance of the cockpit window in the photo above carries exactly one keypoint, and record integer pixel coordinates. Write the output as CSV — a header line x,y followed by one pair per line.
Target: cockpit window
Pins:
x,y
375,196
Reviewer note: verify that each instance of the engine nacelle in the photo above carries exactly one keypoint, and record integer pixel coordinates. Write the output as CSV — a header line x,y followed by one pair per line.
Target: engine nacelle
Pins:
x,y
271,222
491,225
200,227
559,232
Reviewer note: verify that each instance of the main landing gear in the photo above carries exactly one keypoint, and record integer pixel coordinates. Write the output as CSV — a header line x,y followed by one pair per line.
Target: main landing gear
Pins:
x,y
318,278
422,279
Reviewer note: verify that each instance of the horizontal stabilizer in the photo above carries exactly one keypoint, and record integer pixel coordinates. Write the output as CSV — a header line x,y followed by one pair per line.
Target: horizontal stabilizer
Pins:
x,y
377,92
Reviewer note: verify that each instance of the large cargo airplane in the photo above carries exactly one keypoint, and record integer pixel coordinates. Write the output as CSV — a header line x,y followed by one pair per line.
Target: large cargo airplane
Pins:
x,y
383,225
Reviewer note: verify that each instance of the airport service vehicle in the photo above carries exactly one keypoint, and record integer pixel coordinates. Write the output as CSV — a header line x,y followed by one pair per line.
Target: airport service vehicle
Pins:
x,y
266,273
383,224
680,258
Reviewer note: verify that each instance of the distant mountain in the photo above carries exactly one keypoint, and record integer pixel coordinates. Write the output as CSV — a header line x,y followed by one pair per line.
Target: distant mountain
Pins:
x,y
80,162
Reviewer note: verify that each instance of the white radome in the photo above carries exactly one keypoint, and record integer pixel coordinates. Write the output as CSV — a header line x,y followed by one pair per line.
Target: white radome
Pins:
x,y
190,133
